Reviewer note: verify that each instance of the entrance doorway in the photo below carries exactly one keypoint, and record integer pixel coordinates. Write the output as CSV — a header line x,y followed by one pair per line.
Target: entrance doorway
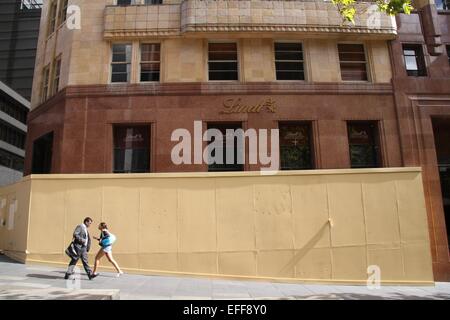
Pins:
x,y
441,129
42,154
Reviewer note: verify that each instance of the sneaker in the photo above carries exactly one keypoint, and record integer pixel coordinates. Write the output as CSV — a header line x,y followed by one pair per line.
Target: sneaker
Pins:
x,y
92,275
119,274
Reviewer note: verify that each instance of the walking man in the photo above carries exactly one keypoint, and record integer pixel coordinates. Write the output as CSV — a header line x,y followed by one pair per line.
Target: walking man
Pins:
x,y
82,243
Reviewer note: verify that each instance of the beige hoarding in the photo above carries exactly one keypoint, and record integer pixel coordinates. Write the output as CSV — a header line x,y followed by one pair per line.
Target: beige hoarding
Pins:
x,y
319,226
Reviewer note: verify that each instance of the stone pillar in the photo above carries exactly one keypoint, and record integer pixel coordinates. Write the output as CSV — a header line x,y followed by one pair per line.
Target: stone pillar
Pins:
x,y
430,26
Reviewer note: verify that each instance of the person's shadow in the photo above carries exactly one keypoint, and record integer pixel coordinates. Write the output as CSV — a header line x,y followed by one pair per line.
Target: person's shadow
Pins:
x,y
44,276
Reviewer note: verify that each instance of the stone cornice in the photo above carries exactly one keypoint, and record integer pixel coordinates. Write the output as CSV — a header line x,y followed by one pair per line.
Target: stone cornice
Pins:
x,y
287,29
388,33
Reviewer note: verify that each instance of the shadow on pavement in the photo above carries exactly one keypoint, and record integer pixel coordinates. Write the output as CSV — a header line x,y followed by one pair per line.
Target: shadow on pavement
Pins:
x,y
44,276
5,259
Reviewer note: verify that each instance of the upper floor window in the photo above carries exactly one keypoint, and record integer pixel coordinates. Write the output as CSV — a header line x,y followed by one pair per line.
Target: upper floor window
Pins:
x,y
150,62
442,4
13,109
52,17
31,4
414,60
289,61
364,144
63,11
45,83
121,63
127,2
12,135
352,60
448,53
223,61
56,75
132,2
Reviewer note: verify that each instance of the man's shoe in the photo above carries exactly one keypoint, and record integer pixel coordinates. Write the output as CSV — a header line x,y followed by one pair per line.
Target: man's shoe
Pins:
x,y
92,275
67,276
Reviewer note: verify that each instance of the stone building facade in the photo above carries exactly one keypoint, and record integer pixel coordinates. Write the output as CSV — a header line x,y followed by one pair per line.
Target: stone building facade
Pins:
x,y
108,96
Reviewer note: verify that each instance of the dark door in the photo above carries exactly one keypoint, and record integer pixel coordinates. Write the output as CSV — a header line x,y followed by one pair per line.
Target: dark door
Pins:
x,y
42,154
441,128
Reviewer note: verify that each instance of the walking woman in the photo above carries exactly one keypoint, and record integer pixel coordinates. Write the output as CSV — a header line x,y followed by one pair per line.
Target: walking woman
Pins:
x,y
106,241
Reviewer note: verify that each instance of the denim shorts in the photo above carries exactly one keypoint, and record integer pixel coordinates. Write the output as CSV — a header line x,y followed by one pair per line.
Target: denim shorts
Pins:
x,y
107,249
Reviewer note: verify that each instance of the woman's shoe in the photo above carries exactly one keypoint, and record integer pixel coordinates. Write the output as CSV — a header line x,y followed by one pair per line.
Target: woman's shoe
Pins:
x,y
119,274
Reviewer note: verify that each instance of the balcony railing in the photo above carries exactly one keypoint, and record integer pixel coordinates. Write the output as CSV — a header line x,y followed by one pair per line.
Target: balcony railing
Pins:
x,y
190,16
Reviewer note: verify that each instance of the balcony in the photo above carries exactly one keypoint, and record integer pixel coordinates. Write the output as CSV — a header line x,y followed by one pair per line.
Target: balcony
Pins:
x,y
243,16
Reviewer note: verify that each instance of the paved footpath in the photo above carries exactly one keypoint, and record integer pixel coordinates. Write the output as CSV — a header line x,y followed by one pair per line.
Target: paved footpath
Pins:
x,y
19,281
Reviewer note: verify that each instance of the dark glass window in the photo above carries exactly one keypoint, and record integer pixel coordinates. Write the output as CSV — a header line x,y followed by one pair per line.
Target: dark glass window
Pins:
x,y
131,149
127,2
56,74
123,2
150,62
121,63
441,130
223,61
237,164
42,154
12,136
289,61
414,60
63,11
448,53
11,160
45,83
364,144
13,109
52,17
442,4
296,146
352,60
31,4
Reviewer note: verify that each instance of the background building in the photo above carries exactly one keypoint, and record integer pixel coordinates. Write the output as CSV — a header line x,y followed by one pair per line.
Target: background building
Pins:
x,y
421,82
13,117
19,31
106,98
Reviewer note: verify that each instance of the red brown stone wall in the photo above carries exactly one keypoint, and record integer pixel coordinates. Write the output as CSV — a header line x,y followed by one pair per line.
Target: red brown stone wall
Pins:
x,y
86,141
418,100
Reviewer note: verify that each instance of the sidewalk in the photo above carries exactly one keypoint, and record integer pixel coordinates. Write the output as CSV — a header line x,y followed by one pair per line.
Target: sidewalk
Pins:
x,y
18,281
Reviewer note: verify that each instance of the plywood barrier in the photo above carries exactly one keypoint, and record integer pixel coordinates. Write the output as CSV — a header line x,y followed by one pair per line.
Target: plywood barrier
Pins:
x,y
321,225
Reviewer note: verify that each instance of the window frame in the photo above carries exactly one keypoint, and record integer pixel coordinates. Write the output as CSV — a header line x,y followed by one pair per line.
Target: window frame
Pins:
x,y
45,83
420,59
56,75
304,62
310,126
140,61
447,47
238,64
366,62
148,126
130,74
219,125
64,4
376,131
53,18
